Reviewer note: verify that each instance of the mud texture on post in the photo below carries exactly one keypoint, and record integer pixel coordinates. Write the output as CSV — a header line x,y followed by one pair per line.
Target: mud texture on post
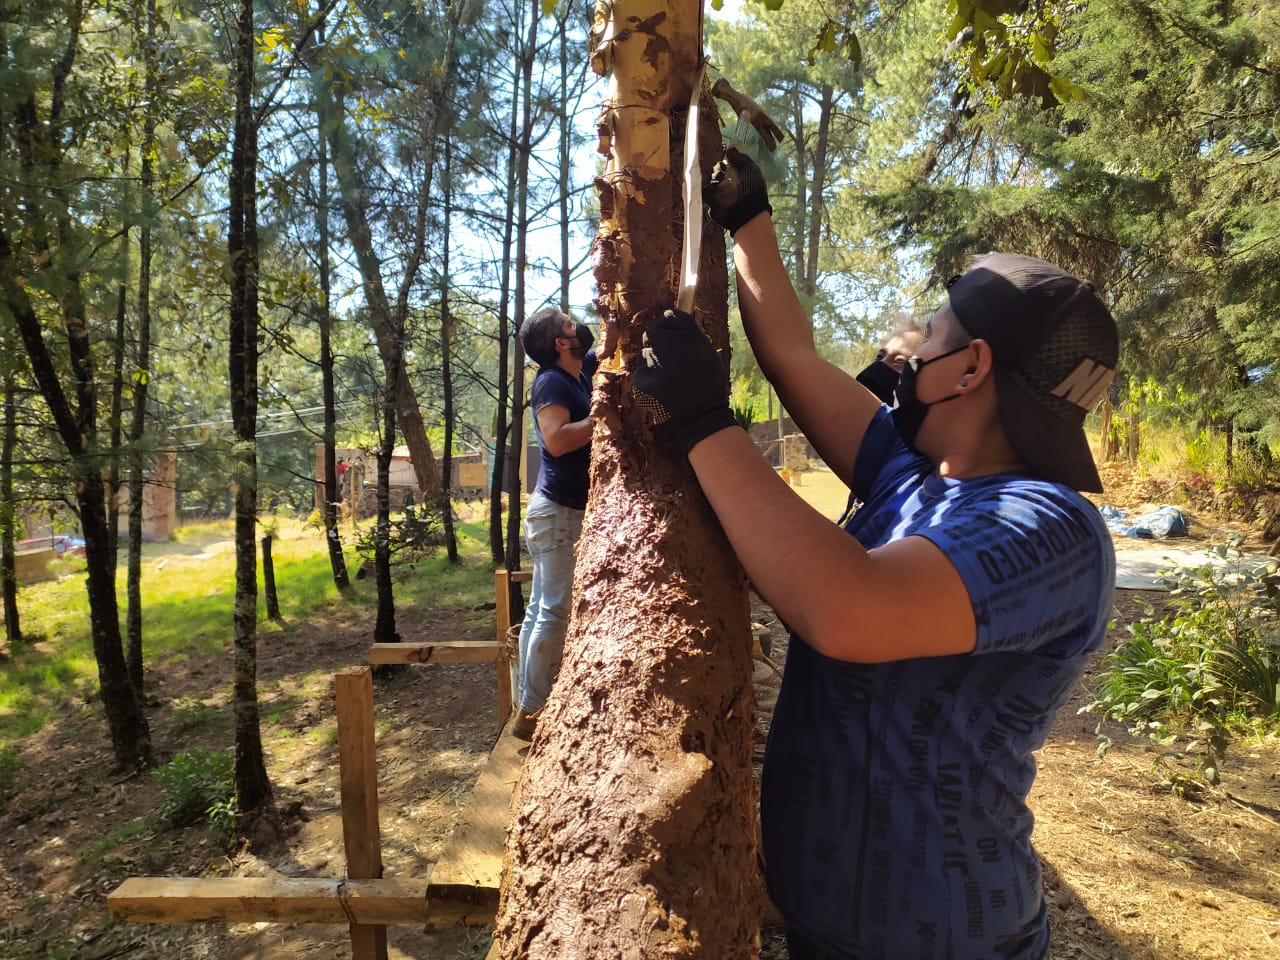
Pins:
x,y
633,826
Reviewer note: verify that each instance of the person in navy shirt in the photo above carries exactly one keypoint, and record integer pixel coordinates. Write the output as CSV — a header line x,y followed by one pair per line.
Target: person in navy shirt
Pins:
x,y
561,402
938,631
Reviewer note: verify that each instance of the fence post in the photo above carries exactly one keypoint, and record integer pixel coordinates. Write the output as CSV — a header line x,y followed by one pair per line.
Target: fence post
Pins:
x,y
358,772
506,668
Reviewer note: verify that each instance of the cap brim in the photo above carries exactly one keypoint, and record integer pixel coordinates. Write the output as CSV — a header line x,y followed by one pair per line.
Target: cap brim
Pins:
x,y
1050,446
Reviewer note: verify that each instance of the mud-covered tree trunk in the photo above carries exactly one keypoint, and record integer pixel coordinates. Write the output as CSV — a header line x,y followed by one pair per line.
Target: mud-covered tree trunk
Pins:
x,y
633,830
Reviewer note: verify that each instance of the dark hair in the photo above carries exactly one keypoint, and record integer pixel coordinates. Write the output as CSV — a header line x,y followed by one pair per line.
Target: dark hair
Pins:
x,y
538,335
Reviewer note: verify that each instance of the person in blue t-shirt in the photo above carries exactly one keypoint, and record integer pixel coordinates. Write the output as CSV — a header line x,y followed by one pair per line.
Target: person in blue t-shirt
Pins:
x,y
561,402
936,634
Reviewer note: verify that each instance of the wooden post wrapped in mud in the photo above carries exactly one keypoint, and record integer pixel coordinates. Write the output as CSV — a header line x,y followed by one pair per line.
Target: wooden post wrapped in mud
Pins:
x,y
633,831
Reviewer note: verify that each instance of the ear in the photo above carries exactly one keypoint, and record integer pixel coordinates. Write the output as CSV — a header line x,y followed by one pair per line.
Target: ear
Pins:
x,y
981,365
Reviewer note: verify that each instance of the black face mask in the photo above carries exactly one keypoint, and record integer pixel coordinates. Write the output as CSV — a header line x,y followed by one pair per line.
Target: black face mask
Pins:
x,y
585,339
909,412
880,379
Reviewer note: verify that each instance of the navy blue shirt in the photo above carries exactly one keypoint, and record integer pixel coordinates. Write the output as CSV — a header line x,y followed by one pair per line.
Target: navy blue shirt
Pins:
x,y
563,479
895,822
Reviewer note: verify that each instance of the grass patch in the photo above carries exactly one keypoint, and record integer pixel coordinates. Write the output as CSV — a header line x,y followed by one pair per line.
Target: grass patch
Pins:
x,y
196,714
188,596
120,835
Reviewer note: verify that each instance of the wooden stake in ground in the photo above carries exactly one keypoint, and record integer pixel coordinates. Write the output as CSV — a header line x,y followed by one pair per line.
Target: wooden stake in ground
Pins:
x,y
633,825
361,836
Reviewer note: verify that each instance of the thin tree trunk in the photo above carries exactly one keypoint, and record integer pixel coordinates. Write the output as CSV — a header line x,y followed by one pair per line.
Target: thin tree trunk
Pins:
x,y
39,143
523,147
817,187
446,362
8,580
332,495
566,124
253,788
633,824
502,421
269,580
127,724
384,630
141,381
116,415
386,318
802,191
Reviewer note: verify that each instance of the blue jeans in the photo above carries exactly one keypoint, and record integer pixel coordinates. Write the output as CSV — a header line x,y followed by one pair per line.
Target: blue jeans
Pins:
x,y
550,531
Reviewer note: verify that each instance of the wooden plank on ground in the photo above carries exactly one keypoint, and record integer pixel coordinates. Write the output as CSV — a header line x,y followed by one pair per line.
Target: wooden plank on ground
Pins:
x,y
274,899
464,884
449,651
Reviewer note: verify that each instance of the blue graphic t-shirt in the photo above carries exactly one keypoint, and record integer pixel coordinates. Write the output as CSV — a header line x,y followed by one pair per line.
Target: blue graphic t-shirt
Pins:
x,y
563,479
895,824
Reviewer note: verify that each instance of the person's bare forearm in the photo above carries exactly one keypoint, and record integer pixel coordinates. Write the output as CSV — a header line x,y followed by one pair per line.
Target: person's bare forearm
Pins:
x,y
792,554
568,437
846,602
830,407
772,316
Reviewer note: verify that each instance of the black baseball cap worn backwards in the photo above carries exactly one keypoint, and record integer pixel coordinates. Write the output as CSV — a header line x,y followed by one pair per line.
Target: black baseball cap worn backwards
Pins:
x,y
1055,347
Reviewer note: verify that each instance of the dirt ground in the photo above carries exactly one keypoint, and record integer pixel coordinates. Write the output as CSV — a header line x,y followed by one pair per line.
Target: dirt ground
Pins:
x,y
1143,860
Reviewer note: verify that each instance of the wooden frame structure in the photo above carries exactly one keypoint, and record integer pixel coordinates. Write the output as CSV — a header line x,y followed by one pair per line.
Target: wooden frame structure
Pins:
x,y
462,886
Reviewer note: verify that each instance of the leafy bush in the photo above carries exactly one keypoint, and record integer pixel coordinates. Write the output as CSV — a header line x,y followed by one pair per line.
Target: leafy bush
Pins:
x,y
416,535
196,784
1211,661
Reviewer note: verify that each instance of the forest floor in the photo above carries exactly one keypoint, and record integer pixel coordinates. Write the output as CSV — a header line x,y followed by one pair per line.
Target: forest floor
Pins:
x,y
1143,860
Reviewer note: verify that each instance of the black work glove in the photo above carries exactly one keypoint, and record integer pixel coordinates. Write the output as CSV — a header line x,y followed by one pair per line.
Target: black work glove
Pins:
x,y
681,381
736,192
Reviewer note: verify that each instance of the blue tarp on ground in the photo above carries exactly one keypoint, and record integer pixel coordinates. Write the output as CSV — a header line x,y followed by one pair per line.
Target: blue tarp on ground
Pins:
x,y
1159,524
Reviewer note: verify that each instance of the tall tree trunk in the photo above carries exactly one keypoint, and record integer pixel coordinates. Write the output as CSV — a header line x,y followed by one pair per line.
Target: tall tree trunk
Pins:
x,y
802,192
817,187
566,125
633,830
127,724
360,234
384,628
8,580
510,359
446,362
388,318
332,495
523,148
119,347
253,788
39,142
142,376
506,387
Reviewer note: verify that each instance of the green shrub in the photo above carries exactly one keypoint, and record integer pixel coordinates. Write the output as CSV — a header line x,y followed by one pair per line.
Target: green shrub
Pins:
x,y
195,783
744,414
1211,662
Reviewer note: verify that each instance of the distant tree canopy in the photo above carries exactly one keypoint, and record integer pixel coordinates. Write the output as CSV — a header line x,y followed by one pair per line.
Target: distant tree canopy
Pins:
x,y
1134,144
1131,142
